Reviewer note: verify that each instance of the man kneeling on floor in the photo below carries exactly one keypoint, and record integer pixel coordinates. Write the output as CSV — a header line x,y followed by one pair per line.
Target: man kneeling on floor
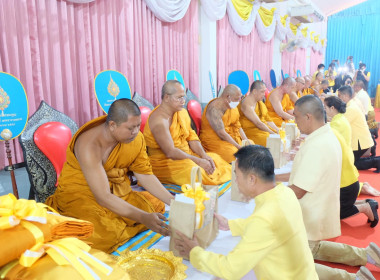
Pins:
x,y
273,239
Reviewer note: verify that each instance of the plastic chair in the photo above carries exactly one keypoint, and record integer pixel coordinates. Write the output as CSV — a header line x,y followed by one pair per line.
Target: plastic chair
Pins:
x,y
52,139
145,112
195,111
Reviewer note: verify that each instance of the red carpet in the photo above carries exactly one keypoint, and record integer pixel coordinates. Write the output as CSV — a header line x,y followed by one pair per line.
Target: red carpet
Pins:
x,y
355,230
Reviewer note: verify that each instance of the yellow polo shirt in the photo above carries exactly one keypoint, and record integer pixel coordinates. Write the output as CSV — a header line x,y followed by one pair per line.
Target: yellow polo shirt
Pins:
x,y
273,242
360,131
316,169
341,124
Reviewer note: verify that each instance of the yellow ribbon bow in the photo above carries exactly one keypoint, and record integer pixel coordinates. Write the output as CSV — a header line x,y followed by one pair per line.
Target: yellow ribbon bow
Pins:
x,y
68,251
199,195
12,211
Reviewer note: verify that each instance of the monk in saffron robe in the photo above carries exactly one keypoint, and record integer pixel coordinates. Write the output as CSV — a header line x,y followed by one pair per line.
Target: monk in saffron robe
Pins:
x,y
307,90
174,147
254,118
280,107
94,184
221,131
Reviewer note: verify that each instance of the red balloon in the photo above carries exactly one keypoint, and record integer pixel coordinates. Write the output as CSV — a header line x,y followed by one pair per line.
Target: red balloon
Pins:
x,y
52,139
267,91
145,112
195,111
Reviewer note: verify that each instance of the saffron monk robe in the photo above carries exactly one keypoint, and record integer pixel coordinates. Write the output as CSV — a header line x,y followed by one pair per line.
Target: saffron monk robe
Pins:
x,y
221,130
254,118
174,147
94,184
280,107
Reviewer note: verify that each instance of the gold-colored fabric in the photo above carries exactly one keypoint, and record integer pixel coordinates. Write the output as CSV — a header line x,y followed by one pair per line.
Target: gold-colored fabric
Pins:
x,y
212,142
286,106
283,20
243,8
74,198
293,28
304,31
178,172
258,136
46,269
266,15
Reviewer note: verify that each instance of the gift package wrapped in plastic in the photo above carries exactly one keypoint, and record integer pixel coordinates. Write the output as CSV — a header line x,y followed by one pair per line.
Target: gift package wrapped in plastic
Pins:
x,y
279,146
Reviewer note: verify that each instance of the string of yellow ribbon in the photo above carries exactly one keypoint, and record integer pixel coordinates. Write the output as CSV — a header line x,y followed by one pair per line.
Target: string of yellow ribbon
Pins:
x,y
199,195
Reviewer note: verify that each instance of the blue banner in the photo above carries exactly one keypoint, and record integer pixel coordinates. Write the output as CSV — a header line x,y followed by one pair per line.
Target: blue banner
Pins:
x,y
239,78
14,109
111,85
175,75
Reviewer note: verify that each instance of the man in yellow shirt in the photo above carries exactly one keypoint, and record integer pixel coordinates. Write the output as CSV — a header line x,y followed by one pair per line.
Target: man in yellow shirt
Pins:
x,y
315,179
94,184
174,147
280,107
221,131
273,239
254,118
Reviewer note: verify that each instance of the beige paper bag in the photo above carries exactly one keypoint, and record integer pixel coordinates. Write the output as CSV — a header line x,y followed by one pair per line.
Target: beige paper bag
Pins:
x,y
182,216
236,195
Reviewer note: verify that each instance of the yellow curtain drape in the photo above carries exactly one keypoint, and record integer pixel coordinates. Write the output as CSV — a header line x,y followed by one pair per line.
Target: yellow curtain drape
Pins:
x,y
304,31
283,20
316,39
294,28
243,8
266,15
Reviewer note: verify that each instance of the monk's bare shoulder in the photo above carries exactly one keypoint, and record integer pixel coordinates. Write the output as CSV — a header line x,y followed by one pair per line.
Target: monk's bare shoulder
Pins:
x,y
88,145
214,115
156,118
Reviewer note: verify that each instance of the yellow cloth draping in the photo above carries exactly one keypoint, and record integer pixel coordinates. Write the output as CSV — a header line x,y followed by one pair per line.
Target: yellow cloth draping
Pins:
x,y
323,42
258,136
74,198
212,142
243,8
304,31
266,15
377,99
316,39
283,20
178,172
286,106
293,28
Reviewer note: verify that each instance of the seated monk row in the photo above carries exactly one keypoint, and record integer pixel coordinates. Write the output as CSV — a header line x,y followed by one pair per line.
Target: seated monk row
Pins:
x,y
174,147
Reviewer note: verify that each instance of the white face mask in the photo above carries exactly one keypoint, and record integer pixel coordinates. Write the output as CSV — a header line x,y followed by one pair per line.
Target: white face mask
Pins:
x,y
233,104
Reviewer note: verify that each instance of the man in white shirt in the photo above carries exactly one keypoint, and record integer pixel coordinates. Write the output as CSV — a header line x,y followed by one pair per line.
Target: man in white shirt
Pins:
x,y
362,96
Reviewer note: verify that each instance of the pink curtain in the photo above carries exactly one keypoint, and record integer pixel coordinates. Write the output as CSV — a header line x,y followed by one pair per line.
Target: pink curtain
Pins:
x,y
315,59
247,53
56,48
293,61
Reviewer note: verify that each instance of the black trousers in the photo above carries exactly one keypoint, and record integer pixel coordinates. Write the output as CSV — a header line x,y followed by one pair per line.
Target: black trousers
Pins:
x,y
348,196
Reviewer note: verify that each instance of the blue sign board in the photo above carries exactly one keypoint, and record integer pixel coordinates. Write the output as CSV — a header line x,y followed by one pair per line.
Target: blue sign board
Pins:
x,y
273,78
14,109
175,75
256,76
111,85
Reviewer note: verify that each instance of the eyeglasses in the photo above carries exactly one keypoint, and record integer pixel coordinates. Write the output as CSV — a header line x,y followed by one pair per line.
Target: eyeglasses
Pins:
x,y
179,98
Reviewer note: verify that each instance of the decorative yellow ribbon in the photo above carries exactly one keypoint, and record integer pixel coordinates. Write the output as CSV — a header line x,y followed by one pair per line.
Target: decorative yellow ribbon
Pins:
x,y
243,8
294,27
316,39
199,195
13,210
266,15
68,251
282,134
304,31
323,42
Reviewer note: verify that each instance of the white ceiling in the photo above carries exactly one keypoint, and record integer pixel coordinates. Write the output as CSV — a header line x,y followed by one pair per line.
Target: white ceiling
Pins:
x,y
330,7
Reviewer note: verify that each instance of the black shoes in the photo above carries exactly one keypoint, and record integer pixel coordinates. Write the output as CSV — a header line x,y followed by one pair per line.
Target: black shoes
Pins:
x,y
374,206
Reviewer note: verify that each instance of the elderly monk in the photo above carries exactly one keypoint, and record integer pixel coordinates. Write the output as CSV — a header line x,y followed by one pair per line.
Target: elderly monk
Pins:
x,y
254,118
221,131
280,107
94,184
297,90
307,90
174,147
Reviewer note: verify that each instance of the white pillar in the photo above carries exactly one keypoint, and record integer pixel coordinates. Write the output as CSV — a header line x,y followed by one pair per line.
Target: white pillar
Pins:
x,y
308,52
207,56
277,59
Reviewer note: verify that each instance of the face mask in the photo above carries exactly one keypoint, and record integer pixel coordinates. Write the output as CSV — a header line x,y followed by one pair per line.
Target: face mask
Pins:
x,y
233,104
321,70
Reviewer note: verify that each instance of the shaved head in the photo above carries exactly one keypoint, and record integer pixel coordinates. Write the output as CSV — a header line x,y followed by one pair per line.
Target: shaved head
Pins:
x,y
121,109
231,90
312,105
300,80
289,81
170,87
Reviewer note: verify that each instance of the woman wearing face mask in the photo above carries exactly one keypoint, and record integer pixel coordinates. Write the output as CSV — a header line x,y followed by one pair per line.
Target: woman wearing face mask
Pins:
x,y
349,185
